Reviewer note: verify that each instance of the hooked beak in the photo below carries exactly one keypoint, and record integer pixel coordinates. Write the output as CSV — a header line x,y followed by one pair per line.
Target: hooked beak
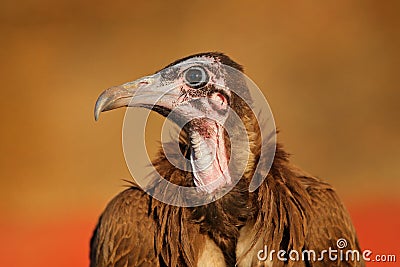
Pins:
x,y
145,92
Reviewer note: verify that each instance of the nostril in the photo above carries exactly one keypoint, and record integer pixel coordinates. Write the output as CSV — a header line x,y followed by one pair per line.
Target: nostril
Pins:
x,y
143,83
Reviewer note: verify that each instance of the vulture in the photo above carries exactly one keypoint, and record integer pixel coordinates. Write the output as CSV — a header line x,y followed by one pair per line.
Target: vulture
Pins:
x,y
290,218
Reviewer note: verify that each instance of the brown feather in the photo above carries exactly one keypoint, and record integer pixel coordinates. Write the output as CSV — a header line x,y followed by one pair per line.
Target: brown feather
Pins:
x,y
291,210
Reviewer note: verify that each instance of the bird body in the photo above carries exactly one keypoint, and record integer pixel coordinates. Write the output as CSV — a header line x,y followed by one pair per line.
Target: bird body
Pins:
x,y
290,211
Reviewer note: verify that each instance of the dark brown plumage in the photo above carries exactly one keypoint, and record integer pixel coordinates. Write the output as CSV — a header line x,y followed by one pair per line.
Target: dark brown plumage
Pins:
x,y
291,210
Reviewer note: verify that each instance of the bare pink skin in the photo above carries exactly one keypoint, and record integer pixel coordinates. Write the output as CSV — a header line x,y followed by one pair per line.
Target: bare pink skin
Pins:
x,y
209,156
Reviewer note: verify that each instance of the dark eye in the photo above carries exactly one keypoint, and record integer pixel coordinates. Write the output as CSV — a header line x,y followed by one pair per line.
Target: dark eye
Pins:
x,y
196,77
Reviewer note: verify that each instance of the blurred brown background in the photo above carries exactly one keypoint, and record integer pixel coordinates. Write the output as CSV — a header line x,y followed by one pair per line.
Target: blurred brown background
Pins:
x,y
329,70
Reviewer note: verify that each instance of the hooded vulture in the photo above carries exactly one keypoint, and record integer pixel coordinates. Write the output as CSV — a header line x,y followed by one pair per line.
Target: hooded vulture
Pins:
x,y
291,219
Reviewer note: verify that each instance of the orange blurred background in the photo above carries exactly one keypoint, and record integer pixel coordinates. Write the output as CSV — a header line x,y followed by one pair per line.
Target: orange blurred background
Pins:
x,y
329,70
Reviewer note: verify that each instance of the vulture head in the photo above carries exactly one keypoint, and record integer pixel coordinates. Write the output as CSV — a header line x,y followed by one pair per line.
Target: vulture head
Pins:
x,y
208,97
225,152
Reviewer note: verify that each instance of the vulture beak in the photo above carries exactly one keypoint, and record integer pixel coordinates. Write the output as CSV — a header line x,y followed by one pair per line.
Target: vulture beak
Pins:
x,y
145,92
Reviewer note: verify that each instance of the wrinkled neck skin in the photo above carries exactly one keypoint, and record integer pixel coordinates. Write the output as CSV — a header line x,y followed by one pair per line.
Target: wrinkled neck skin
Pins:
x,y
211,150
209,156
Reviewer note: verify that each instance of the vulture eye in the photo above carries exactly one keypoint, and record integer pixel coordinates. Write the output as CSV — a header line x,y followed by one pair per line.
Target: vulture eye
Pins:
x,y
196,77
